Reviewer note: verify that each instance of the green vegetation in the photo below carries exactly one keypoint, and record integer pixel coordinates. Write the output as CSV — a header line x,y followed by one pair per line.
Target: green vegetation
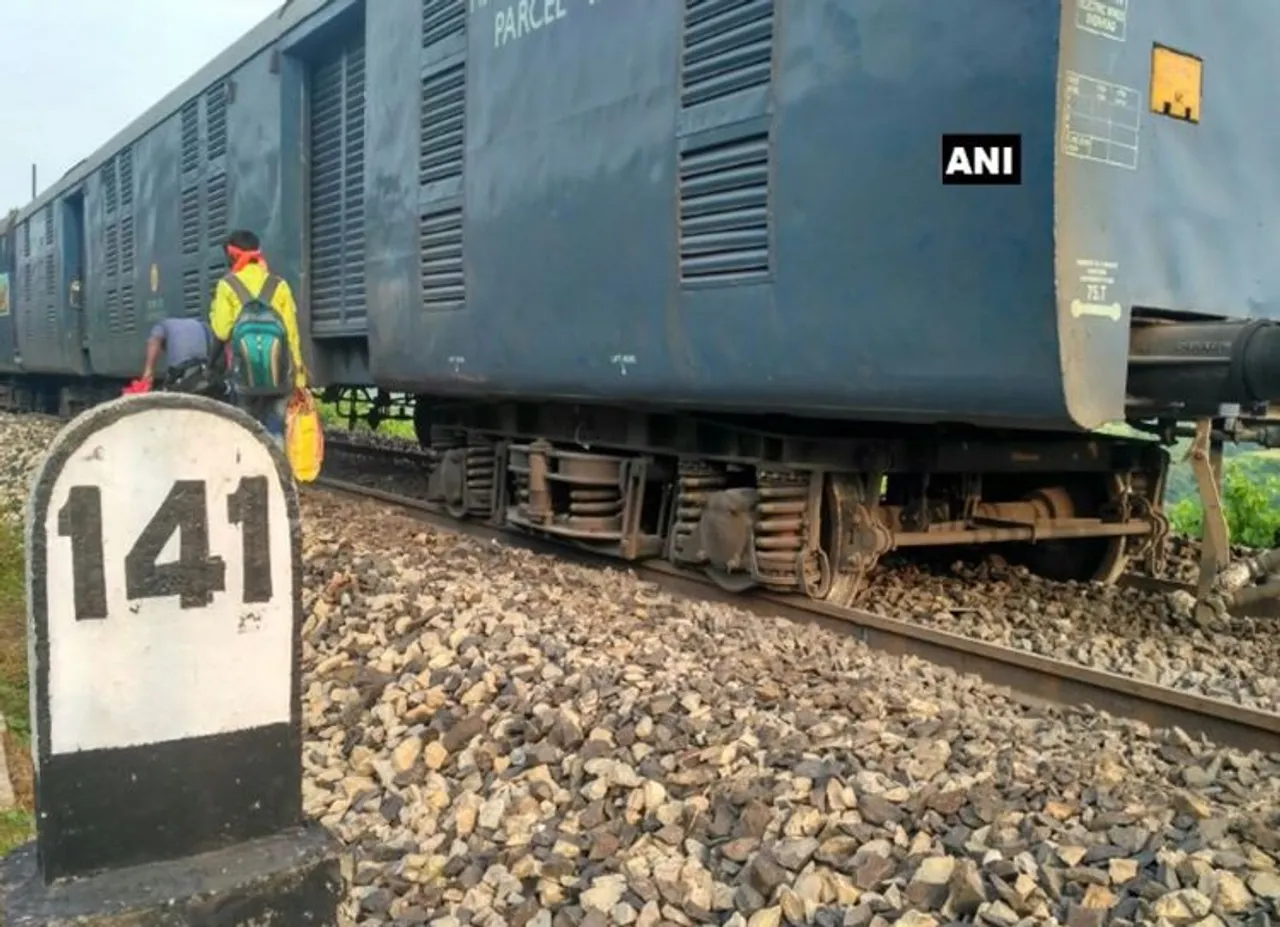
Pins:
x,y
1250,495
16,828
15,825
13,630
332,418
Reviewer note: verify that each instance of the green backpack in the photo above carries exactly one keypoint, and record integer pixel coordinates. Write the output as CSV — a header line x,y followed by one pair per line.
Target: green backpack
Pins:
x,y
261,362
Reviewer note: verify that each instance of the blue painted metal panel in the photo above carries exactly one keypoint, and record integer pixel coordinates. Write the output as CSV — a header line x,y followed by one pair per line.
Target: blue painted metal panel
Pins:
x,y
569,187
1154,211
898,296
728,204
392,190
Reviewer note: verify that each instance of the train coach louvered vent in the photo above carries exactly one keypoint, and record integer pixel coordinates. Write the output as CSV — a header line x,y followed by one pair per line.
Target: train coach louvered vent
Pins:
x,y
724,211
216,210
442,19
215,114
728,46
128,313
112,250
190,136
109,194
113,311
191,220
126,245
126,180
337,193
443,280
192,304
53,330
444,96
128,310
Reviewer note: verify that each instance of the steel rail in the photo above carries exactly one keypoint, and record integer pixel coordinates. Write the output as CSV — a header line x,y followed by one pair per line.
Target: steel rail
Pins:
x,y
358,448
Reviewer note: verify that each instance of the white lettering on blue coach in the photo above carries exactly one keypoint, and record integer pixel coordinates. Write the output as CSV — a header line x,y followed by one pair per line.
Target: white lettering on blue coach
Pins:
x,y
520,19
525,17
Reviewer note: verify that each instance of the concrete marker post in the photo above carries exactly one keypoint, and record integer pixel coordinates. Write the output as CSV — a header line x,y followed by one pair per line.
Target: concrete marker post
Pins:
x,y
164,584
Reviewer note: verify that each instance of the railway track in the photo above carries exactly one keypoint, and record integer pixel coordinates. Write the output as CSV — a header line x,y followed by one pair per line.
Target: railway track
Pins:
x,y
387,452
1033,678
409,455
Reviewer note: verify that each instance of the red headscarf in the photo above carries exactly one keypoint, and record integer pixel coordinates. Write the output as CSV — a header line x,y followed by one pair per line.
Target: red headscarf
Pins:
x,y
241,259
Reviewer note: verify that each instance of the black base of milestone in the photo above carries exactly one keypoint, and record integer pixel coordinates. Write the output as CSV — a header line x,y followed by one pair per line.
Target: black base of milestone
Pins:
x,y
290,878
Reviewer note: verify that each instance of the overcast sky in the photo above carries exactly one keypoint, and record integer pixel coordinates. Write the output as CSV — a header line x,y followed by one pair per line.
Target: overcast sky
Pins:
x,y
75,72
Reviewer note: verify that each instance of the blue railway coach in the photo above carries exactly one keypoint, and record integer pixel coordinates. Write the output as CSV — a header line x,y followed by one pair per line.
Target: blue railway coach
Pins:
x,y
681,277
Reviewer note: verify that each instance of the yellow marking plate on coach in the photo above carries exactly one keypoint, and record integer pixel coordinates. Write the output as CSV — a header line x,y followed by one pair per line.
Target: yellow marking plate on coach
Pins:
x,y
1176,81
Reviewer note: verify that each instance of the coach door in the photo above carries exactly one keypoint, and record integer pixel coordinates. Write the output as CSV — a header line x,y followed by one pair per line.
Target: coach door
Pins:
x,y
8,351
73,271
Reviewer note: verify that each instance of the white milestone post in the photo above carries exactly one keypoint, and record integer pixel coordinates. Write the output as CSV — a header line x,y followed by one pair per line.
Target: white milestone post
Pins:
x,y
164,590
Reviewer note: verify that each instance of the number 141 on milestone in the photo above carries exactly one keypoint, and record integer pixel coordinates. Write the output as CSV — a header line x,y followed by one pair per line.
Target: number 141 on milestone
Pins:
x,y
168,540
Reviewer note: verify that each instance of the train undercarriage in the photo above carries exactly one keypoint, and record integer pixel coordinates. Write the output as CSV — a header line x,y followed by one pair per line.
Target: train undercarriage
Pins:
x,y
782,507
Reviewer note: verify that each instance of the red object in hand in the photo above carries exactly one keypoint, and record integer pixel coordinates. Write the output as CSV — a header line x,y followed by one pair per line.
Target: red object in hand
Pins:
x,y
139,385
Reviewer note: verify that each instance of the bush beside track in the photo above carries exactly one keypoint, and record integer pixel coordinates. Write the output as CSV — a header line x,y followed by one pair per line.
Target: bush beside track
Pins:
x,y
15,825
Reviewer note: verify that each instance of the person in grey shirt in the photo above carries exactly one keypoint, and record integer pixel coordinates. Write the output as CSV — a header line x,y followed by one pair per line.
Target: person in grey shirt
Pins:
x,y
187,344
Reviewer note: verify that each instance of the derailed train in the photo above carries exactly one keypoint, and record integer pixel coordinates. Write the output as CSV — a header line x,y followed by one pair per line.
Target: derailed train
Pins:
x,y
680,278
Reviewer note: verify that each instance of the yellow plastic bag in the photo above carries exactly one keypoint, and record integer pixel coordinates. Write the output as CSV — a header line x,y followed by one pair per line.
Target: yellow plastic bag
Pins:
x,y
304,437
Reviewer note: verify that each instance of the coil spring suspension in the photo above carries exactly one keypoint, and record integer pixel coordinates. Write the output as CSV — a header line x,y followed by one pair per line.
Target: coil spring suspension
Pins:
x,y
781,528
481,466
596,508
695,482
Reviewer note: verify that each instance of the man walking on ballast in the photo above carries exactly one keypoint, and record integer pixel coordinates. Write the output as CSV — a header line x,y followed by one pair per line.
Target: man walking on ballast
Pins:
x,y
254,314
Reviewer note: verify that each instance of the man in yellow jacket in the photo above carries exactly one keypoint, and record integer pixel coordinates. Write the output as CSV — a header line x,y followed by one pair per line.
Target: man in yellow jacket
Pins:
x,y
252,313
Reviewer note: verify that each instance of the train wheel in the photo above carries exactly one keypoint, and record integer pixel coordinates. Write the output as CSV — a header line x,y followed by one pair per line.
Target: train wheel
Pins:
x,y
852,538
1085,559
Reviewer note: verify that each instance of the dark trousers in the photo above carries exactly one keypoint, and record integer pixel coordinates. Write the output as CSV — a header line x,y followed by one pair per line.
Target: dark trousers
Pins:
x,y
269,411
